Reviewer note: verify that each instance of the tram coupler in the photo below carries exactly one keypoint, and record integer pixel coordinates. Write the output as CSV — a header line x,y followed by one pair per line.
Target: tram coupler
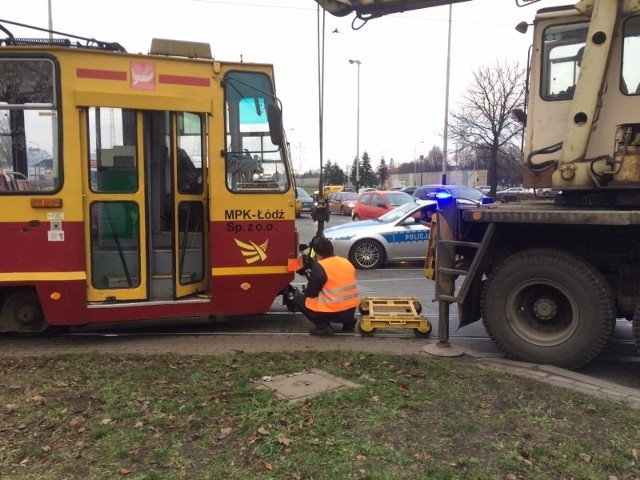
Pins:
x,y
289,297
392,312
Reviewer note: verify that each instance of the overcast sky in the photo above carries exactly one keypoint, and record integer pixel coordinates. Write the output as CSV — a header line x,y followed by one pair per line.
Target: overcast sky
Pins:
x,y
402,72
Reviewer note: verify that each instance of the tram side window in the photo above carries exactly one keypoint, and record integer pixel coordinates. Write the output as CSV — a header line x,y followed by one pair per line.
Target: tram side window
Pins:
x,y
29,155
563,47
630,78
253,162
115,245
112,150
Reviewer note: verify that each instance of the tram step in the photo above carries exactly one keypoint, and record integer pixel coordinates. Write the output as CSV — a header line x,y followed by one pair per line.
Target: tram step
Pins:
x,y
163,260
121,282
160,284
164,239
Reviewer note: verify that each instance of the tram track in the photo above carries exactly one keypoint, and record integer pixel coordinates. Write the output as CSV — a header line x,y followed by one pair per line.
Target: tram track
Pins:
x,y
236,333
176,331
617,363
614,344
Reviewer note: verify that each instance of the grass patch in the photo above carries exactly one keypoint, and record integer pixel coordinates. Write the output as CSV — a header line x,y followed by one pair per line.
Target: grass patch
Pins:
x,y
416,417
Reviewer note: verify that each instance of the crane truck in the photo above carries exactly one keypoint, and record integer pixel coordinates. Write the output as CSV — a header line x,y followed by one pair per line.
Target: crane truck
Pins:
x,y
549,278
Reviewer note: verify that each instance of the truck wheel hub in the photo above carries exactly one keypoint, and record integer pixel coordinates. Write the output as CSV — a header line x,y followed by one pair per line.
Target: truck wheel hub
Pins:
x,y
545,309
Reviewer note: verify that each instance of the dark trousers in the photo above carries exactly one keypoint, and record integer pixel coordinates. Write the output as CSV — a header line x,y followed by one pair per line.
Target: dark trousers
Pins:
x,y
324,319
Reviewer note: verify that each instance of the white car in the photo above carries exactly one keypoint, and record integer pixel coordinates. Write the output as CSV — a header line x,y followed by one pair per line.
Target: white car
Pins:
x,y
399,235
518,190
514,194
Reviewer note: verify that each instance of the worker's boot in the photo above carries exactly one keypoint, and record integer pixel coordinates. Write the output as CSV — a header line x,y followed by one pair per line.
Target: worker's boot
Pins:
x,y
322,331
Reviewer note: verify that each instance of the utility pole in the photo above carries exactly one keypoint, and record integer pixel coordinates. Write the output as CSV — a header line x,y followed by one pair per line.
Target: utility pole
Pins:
x,y
357,62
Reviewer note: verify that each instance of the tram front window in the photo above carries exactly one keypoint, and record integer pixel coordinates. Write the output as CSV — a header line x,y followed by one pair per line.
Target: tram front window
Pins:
x,y
253,162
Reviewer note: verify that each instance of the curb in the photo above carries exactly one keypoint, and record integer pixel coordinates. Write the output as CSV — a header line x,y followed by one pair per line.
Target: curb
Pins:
x,y
566,379
251,342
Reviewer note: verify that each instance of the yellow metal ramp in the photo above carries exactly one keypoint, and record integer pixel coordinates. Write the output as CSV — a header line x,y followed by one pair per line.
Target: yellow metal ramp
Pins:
x,y
392,312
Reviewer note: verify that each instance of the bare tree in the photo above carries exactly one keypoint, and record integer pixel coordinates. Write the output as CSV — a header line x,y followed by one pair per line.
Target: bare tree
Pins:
x,y
433,162
510,164
5,140
484,123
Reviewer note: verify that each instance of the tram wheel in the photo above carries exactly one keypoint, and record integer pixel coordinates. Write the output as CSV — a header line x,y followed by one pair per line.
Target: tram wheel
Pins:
x,y
24,309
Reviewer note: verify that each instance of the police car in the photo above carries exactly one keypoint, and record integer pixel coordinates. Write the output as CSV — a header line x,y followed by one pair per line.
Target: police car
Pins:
x,y
399,235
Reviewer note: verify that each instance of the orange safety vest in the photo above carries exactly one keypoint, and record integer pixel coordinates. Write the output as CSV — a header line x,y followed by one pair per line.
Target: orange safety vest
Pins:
x,y
339,292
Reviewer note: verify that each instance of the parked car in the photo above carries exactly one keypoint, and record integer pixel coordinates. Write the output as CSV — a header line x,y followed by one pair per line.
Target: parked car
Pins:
x,y
399,235
547,192
371,205
409,190
304,202
342,202
461,193
486,189
514,194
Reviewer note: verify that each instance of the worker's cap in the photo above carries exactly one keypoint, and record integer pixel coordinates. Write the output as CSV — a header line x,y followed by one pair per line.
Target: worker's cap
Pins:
x,y
323,246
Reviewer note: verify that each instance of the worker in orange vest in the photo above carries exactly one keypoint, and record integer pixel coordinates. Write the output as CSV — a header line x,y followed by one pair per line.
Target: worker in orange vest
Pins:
x,y
331,295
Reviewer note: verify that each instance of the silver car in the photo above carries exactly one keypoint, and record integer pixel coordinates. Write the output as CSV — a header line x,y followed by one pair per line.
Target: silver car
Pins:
x,y
304,202
399,235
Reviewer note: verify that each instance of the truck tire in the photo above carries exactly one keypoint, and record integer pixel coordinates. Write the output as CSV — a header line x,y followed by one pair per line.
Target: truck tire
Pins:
x,y
548,306
636,328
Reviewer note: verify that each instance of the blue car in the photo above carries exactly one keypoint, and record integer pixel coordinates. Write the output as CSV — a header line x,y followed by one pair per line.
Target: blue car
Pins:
x,y
463,194
399,235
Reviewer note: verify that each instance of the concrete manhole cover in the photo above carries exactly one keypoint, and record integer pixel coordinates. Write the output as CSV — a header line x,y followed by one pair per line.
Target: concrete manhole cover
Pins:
x,y
298,386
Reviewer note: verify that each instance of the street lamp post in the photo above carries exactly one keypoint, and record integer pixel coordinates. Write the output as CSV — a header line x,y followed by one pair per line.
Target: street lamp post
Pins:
x,y
415,149
357,62
446,103
50,19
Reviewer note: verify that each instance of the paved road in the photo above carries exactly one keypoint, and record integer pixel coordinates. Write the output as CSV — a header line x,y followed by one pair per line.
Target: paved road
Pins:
x,y
619,362
613,375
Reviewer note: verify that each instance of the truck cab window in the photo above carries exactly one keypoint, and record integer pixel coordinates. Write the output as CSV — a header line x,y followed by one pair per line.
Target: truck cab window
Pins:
x,y
563,46
630,78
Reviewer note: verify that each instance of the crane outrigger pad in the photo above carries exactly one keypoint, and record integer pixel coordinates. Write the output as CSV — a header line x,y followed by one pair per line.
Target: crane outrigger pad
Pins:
x,y
392,312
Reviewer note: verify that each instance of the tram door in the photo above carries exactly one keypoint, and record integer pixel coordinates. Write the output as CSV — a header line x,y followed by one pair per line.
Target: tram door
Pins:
x,y
177,202
146,202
